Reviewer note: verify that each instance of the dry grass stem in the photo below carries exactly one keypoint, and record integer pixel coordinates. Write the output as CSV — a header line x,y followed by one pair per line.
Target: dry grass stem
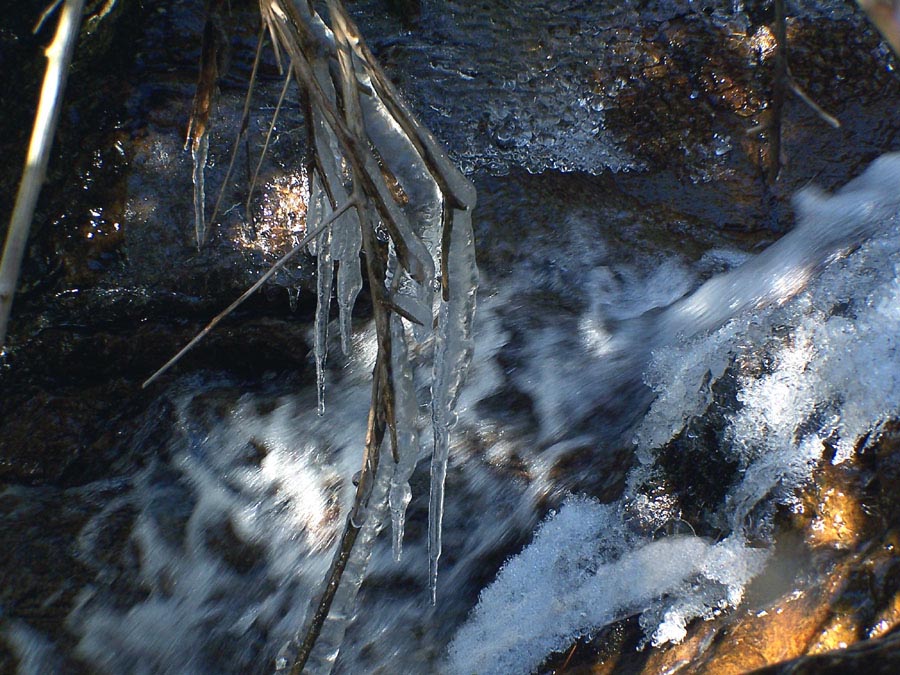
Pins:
x,y
59,56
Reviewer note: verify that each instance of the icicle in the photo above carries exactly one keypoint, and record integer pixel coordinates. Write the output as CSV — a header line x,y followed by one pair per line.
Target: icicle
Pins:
x,y
346,240
406,412
199,150
318,209
325,274
345,245
313,209
453,352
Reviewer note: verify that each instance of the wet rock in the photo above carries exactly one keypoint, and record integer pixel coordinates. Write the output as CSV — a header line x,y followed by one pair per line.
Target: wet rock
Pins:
x,y
829,599
878,657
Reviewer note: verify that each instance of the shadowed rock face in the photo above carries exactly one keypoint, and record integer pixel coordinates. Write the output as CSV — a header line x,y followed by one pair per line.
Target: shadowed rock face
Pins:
x,y
636,112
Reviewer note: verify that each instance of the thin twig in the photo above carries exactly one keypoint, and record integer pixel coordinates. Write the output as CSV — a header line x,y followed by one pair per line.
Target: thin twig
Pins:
x,y
265,148
831,120
250,291
565,665
245,118
59,55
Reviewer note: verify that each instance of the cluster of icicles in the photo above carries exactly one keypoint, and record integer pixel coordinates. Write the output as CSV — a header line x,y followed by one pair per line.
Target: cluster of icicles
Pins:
x,y
425,222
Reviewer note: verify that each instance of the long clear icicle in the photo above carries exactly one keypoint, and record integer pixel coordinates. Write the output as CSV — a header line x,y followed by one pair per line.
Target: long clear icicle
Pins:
x,y
453,352
346,242
199,152
405,413
319,209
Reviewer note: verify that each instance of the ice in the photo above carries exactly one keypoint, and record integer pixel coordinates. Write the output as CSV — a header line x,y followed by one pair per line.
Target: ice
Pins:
x,y
346,244
346,231
199,152
406,413
825,225
580,573
453,352
318,210
328,645
417,189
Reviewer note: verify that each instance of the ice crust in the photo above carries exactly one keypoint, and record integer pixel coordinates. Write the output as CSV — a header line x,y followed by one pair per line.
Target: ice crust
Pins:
x,y
827,322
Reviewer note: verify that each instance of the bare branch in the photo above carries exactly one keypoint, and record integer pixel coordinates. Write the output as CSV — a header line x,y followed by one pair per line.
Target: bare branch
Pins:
x,y
59,55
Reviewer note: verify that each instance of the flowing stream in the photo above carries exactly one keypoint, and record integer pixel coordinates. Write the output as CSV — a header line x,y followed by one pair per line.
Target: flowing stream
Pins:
x,y
598,357
205,559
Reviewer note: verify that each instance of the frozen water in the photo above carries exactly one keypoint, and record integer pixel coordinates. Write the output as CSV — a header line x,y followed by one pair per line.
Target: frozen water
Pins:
x,y
581,572
319,209
406,412
453,352
199,152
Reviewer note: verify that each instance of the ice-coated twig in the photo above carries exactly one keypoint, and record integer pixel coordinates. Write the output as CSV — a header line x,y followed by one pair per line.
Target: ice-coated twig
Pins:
x,y
59,55
365,140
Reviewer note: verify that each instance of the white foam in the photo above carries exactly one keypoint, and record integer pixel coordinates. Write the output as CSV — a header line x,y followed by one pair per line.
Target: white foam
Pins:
x,y
819,363
582,572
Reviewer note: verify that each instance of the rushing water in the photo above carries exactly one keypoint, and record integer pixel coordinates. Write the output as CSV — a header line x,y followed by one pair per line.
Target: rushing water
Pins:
x,y
563,512
206,558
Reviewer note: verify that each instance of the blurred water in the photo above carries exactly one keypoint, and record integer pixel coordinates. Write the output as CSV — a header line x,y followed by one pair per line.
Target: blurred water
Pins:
x,y
226,533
